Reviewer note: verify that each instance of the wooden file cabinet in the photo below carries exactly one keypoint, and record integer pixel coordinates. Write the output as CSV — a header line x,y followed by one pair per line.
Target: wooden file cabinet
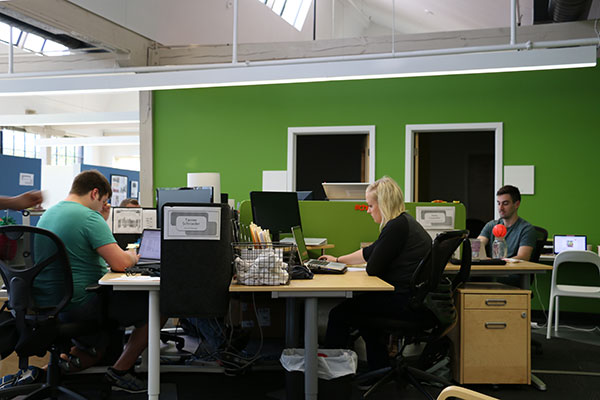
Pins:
x,y
491,340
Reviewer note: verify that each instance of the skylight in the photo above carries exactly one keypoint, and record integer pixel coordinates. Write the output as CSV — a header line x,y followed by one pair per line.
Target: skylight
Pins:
x,y
32,42
293,12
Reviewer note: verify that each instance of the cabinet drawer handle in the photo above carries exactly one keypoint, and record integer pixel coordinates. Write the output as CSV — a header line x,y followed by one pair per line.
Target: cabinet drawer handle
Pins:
x,y
495,302
495,325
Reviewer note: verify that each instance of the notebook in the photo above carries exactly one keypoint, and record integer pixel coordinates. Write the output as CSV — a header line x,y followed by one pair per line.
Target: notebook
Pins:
x,y
149,249
569,242
316,266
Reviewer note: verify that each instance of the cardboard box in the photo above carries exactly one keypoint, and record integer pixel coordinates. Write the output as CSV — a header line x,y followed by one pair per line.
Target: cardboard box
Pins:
x,y
270,313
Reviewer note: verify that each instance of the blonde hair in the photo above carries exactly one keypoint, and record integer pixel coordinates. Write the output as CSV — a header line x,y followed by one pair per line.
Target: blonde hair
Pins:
x,y
389,197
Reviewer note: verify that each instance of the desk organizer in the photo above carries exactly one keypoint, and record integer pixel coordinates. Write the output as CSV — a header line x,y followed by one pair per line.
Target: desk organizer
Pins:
x,y
262,264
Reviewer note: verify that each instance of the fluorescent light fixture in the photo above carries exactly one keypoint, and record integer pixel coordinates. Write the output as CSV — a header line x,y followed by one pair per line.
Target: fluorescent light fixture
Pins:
x,y
90,141
293,71
88,118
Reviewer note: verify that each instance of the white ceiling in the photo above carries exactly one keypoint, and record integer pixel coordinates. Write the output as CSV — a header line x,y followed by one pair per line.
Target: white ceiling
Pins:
x,y
195,22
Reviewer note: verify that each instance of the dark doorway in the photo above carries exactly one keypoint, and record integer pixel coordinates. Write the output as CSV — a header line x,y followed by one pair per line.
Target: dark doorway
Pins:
x,y
457,166
329,158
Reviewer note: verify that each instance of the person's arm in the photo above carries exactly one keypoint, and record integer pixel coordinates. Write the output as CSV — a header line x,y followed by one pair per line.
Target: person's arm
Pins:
x,y
22,201
105,212
352,258
117,258
484,240
524,253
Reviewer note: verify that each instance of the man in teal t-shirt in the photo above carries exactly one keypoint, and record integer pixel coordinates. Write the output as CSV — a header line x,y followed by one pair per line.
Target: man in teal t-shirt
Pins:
x,y
520,234
80,222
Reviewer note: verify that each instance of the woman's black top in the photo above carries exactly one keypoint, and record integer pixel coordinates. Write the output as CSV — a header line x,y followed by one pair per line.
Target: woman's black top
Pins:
x,y
396,253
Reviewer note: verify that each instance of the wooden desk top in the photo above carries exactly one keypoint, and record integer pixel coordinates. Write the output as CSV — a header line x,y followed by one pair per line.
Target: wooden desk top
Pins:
x,y
350,281
139,282
523,266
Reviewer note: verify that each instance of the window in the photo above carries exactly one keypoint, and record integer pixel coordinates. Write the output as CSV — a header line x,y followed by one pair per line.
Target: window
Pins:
x,y
32,42
19,143
294,12
66,155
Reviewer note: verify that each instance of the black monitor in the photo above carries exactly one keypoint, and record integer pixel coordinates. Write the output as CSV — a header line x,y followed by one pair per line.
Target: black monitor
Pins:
x,y
187,195
276,211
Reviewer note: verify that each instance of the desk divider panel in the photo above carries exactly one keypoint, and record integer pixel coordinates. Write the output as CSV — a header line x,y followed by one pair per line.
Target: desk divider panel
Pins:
x,y
346,224
195,272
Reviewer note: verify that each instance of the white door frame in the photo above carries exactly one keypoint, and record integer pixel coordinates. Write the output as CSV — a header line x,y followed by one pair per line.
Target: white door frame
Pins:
x,y
293,133
411,130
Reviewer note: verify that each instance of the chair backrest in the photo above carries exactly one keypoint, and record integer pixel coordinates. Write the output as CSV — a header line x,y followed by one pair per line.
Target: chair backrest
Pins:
x,y
41,259
574,256
429,287
541,236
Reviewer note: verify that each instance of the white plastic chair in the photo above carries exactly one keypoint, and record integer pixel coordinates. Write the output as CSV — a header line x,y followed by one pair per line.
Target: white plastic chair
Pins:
x,y
556,290
462,393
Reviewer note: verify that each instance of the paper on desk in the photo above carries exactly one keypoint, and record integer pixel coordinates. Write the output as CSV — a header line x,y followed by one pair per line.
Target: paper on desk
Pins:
x,y
512,260
136,278
356,268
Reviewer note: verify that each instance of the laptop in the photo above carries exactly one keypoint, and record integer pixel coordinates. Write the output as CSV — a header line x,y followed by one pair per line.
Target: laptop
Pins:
x,y
316,266
569,242
149,249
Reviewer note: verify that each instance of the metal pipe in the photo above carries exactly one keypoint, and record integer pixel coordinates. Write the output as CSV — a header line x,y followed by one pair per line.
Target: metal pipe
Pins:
x,y
10,49
513,22
393,26
234,58
417,53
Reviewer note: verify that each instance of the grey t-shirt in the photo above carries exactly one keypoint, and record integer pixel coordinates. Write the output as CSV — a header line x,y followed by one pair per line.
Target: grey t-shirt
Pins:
x,y
521,233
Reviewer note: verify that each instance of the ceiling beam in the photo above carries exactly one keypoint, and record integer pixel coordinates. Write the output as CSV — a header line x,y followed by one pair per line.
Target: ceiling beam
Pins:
x,y
63,17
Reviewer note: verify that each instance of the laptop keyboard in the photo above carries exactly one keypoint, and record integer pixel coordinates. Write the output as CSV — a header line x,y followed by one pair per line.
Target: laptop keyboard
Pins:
x,y
319,262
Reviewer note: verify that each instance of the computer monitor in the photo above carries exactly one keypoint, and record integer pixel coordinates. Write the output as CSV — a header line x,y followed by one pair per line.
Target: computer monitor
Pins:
x,y
569,242
276,211
187,195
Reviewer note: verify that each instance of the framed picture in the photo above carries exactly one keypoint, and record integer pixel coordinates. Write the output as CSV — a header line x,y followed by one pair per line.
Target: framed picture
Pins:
x,y
134,189
118,184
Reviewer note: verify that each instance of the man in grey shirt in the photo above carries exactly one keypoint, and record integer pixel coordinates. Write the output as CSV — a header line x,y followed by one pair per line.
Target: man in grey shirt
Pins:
x,y
520,234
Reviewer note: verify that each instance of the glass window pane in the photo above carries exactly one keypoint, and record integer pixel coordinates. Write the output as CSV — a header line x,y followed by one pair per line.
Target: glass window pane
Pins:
x,y
278,6
33,42
55,49
305,7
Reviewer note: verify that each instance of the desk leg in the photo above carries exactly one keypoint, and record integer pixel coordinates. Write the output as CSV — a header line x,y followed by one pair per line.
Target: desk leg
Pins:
x,y
291,323
310,349
153,345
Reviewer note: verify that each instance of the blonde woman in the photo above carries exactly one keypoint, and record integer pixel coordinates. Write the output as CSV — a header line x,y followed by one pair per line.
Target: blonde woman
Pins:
x,y
393,257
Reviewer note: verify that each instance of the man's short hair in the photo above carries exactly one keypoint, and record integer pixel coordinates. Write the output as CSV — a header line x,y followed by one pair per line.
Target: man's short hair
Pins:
x,y
89,180
513,191
129,201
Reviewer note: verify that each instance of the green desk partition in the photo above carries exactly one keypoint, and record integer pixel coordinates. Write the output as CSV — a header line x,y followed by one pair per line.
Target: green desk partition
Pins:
x,y
346,224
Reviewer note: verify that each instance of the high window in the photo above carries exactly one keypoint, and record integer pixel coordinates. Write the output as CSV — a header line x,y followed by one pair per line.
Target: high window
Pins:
x,y
294,12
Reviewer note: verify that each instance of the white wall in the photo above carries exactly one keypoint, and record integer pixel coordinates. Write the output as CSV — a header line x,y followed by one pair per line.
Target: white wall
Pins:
x,y
56,182
105,155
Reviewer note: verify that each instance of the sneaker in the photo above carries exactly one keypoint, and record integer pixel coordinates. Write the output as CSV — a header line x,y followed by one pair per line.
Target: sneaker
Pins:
x,y
21,377
127,382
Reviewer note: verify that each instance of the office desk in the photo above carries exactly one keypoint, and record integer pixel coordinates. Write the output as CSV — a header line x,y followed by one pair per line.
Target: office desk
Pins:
x,y
152,285
523,268
310,290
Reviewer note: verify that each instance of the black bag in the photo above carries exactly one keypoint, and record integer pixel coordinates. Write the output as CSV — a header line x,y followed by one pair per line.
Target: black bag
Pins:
x,y
8,334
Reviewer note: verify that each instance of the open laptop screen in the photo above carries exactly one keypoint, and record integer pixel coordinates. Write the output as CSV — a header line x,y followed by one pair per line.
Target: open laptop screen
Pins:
x,y
150,244
299,238
569,242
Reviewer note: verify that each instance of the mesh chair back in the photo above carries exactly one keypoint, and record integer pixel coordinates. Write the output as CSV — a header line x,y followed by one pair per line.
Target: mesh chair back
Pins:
x,y
429,288
35,269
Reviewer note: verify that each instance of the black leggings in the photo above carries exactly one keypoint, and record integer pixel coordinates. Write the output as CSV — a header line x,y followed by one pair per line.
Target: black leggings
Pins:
x,y
377,304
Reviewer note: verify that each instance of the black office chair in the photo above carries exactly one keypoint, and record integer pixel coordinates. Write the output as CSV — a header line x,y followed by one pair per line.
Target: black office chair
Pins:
x,y
541,236
474,226
37,330
432,299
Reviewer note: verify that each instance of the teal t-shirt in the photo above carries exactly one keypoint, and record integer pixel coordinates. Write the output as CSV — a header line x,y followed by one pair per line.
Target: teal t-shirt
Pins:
x,y
521,233
82,230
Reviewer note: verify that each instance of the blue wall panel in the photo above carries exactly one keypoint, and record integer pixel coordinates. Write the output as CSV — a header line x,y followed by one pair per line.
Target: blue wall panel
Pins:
x,y
107,172
10,168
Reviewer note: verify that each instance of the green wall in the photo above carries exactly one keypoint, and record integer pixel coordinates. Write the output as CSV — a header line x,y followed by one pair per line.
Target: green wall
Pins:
x,y
551,120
